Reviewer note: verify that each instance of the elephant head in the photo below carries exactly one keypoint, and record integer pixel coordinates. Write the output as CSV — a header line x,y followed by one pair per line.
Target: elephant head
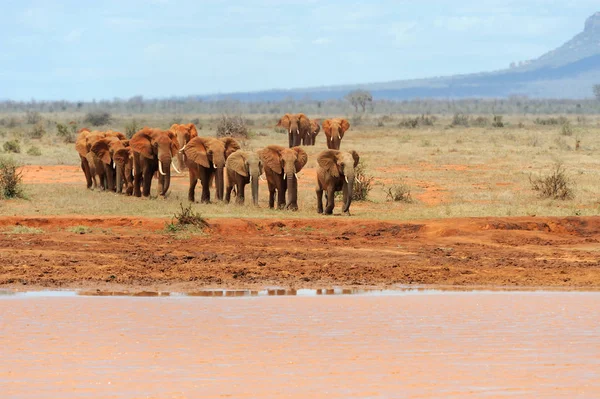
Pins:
x,y
297,125
159,146
184,134
106,149
286,162
334,130
123,159
315,128
247,164
211,153
337,165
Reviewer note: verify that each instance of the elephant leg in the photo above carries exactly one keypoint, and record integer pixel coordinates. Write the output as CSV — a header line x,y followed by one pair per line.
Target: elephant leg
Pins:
x,y
85,167
193,182
148,173
291,139
205,198
319,200
241,190
281,199
271,194
228,190
330,201
119,180
161,183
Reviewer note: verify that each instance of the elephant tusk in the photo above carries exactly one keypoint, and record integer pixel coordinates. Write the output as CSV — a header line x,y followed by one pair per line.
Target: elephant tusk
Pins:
x,y
114,165
160,169
284,176
250,178
175,167
262,178
296,174
183,148
298,131
331,138
339,137
346,177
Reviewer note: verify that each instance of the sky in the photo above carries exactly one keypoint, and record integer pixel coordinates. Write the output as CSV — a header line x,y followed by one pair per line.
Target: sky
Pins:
x,y
84,50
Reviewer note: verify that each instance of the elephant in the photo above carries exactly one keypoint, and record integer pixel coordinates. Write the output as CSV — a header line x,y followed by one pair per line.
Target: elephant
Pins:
x,y
334,130
116,173
298,127
335,173
184,134
243,167
82,148
315,128
153,149
205,158
90,164
281,167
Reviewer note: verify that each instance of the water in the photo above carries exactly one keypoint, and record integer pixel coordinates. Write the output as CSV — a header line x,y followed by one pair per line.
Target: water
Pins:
x,y
421,344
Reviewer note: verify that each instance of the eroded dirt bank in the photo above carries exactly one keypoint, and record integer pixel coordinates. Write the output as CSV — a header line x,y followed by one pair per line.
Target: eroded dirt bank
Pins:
x,y
134,253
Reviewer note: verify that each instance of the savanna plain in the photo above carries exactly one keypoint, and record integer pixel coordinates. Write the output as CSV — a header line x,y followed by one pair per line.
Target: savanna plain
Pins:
x,y
452,203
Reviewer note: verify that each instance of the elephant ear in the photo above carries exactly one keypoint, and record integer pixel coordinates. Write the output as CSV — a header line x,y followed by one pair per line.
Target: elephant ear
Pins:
x,y
231,145
328,161
102,150
285,121
304,122
196,150
237,163
345,125
271,158
121,156
125,143
355,157
301,158
327,127
192,129
80,145
141,143
174,145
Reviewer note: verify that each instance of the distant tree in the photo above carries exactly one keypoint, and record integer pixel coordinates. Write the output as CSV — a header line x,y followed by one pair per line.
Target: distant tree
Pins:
x,y
360,98
597,92
97,118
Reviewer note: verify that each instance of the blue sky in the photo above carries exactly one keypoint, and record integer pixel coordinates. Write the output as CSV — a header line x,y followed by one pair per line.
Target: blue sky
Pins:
x,y
78,50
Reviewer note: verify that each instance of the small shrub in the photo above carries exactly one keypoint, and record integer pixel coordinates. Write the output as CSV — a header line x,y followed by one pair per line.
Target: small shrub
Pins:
x,y
10,179
534,140
12,122
186,217
561,120
364,183
566,129
197,123
97,118
380,123
497,121
80,230
19,229
557,185
413,123
65,133
33,117
480,121
398,193
232,126
35,151
12,146
37,132
460,119
562,144
131,128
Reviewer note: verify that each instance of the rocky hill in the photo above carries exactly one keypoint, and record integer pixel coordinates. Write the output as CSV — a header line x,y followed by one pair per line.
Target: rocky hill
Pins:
x,y
566,72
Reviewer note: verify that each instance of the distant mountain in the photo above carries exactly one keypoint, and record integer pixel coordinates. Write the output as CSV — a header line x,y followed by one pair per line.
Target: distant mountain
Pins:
x,y
566,72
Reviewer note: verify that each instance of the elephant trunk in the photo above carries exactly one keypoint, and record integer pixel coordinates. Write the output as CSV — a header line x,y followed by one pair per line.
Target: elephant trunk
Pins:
x,y
219,182
254,185
292,190
165,171
120,178
348,191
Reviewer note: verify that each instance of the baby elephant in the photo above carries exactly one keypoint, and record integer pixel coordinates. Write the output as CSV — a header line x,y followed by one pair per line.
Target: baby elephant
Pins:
x,y
243,167
335,173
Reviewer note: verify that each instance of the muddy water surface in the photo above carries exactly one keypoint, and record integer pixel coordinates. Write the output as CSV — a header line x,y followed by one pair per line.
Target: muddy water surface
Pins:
x,y
425,345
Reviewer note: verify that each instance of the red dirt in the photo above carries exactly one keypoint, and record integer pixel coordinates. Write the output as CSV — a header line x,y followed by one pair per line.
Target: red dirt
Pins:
x,y
135,253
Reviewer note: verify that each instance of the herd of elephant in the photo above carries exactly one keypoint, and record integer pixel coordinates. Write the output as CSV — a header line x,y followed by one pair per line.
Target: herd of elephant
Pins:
x,y
112,162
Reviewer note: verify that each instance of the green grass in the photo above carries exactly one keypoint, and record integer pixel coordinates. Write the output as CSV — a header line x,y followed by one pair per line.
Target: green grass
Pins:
x,y
23,230
80,229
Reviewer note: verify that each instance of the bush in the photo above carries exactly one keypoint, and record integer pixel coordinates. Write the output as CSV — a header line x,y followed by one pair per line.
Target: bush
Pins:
x,y
364,183
33,117
185,218
398,193
498,121
412,123
460,120
97,118
131,128
197,123
12,146
37,132
557,185
10,179
480,121
561,120
67,134
35,151
566,129
232,126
